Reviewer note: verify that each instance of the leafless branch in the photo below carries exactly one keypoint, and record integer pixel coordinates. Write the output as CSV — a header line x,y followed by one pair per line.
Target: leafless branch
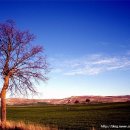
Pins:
x,y
22,62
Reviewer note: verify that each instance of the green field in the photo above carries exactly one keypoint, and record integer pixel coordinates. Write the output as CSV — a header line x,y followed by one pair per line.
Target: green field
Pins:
x,y
77,117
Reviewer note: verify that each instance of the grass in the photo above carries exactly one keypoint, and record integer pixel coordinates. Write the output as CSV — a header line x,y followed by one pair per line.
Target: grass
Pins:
x,y
11,125
69,117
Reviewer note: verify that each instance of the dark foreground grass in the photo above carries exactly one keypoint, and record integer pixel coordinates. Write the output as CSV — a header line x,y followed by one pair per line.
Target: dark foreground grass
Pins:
x,y
78,117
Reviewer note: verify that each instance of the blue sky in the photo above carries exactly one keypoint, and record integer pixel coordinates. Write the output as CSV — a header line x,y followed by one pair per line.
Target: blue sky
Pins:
x,y
87,44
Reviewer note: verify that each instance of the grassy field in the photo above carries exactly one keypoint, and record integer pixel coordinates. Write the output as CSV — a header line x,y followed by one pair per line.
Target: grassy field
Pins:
x,y
77,117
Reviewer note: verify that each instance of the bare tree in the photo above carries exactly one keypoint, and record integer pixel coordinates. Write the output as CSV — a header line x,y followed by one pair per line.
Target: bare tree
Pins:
x,y
21,63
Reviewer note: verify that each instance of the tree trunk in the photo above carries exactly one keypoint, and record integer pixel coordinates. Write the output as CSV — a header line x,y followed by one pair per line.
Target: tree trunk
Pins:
x,y
3,101
3,107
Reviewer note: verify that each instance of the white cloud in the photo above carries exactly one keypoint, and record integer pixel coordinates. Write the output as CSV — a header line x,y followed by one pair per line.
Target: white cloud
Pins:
x,y
90,65
87,71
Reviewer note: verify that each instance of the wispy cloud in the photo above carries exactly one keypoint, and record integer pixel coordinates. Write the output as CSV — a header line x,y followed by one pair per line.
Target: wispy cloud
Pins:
x,y
90,65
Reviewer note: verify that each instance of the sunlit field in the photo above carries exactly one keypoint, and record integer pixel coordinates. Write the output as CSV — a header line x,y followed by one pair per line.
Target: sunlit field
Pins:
x,y
73,117
19,125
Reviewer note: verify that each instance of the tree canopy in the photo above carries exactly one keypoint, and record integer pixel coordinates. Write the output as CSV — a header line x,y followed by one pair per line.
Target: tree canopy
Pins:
x,y
20,60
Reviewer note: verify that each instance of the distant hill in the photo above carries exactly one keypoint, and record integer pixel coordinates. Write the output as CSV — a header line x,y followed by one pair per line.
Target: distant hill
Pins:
x,y
70,100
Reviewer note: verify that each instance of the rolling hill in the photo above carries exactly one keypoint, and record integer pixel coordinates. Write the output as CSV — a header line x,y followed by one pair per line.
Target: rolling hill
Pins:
x,y
70,100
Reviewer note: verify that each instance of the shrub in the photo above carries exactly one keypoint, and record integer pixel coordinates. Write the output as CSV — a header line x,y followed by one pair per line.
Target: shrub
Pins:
x,y
76,102
87,100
